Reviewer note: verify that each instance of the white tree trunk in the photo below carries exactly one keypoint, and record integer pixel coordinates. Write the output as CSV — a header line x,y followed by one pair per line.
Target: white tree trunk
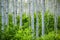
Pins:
x,y
0,6
2,11
7,9
13,10
37,23
55,16
43,11
16,6
29,11
21,11
32,16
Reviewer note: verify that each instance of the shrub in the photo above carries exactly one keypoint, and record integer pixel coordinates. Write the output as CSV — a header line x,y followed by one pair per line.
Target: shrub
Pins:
x,y
15,32
50,36
23,34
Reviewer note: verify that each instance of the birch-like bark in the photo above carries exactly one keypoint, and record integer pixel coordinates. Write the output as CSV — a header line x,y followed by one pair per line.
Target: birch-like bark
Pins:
x,y
48,13
0,6
29,11
13,11
21,11
39,5
16,6
55,16
7,9
32,16
43,11
37,23
2,11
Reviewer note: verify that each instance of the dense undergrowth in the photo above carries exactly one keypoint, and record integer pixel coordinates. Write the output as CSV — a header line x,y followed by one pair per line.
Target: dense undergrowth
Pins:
x,y
16,32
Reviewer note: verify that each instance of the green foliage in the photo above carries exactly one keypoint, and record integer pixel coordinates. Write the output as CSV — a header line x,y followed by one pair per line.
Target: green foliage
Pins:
x,y
18,20
25,20
58,22
23,34
49,22
50,36
15,32
9,30
58,35
0,26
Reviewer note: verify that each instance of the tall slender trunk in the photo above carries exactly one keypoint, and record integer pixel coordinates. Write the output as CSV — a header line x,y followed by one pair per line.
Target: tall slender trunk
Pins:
x,y
37,23
43,11
55,16
32,16
16,6
29,11
0,6
21,11
13,10
2,11
7,9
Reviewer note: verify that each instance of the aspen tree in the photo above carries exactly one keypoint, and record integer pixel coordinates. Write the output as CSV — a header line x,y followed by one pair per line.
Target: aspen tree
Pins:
x,y
21,11
2,11
37,23
7,10
32,16
43,11
29,11
55,16
13,10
